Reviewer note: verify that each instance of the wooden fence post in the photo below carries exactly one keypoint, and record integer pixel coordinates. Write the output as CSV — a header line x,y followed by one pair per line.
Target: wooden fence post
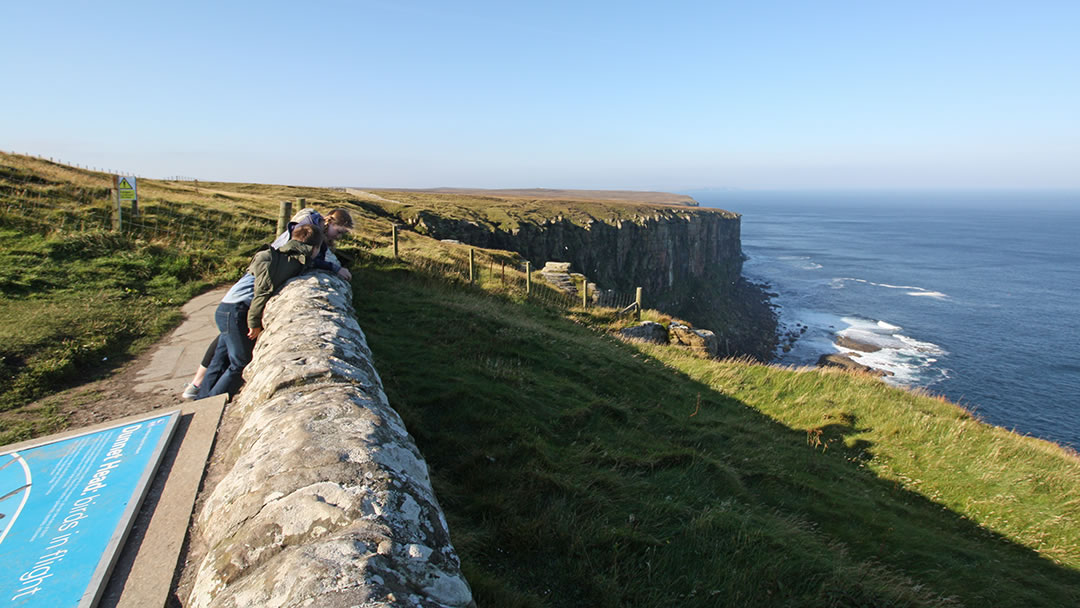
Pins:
x,y
393,235
637,300
528,278
584,293
118,221
472,265
284,213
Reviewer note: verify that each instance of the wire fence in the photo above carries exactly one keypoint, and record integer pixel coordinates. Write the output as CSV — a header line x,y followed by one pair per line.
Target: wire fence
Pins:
x,y
508,274
69,201
59,199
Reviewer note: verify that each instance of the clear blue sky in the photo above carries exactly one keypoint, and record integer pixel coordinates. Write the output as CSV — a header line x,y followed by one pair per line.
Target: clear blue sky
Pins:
x,y
638,95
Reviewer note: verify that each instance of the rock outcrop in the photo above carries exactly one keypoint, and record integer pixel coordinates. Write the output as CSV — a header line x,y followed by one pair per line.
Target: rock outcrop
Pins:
x,y
846,362
701,341
646,331
326,500
687,260
853,344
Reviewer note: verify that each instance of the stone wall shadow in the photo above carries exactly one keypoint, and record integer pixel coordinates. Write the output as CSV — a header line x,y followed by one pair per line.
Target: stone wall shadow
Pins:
x,y
972,551
814,476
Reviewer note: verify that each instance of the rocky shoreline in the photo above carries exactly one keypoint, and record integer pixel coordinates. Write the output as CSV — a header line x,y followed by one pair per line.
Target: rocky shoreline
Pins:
x,y
786,340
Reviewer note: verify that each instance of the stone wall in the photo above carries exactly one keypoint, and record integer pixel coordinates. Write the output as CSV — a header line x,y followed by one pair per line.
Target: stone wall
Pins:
x,y
326,500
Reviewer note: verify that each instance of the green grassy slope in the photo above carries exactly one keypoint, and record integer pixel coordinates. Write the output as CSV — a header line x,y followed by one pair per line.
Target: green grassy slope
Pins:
x,y
577,470
77,299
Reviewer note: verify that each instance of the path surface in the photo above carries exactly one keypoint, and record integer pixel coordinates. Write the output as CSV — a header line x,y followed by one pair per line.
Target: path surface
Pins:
x,y
173,360
153,380
144,572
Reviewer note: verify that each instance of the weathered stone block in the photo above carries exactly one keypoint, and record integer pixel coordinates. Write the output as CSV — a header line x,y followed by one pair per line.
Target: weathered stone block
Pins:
x,y
649,331
702,341
559,267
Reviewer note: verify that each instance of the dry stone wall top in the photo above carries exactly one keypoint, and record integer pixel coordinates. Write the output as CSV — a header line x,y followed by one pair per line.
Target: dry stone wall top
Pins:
x,y
327,500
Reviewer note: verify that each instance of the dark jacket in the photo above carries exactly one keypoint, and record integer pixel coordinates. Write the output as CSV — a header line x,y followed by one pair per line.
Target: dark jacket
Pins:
x,y
272,267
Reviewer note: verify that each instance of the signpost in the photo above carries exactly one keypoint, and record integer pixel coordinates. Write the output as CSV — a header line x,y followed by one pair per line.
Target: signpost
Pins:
x,y
126,187
66,506
126,190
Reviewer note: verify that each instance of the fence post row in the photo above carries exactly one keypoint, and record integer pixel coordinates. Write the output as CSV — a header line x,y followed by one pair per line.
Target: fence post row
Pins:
x,y
636,306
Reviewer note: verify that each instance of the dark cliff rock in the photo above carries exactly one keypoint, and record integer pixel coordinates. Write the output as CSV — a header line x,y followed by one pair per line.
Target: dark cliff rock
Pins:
x,y
688,262
846,362
853,344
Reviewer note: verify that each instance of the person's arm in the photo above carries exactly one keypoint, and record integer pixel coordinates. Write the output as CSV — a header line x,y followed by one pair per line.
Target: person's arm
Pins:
x,y
322,262
264,288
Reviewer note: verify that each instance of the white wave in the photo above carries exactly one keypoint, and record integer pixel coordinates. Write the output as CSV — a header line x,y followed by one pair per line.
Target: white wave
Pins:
x,y
804,262
913,290
887,286
922,347
871,338
908,368
911,362
937,295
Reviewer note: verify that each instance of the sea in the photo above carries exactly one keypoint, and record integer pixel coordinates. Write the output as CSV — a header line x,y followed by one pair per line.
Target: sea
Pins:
x,y
974,296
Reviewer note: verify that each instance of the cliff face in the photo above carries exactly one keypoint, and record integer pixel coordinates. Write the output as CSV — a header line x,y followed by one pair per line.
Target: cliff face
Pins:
x,y
688,262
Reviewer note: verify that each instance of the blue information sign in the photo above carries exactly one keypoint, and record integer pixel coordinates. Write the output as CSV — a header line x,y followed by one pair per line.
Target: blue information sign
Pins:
x,y
65,508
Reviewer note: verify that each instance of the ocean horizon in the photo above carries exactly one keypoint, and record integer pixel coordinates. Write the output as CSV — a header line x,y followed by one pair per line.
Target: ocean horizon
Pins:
x,y
969,295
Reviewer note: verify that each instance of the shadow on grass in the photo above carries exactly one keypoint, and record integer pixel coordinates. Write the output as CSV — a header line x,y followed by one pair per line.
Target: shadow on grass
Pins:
x,y
576,471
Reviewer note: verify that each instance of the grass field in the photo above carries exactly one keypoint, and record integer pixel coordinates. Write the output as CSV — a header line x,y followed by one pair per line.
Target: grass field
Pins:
x,y
578,470
77,298
575,469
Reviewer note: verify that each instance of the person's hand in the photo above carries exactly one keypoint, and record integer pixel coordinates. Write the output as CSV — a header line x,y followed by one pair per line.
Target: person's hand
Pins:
x,y
344,273
254,332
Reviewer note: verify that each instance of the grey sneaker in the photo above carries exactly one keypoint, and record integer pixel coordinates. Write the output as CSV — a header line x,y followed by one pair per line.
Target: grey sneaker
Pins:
x,y
190,391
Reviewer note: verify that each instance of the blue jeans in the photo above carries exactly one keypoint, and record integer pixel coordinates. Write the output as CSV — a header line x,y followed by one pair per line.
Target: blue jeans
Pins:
x,y
233,353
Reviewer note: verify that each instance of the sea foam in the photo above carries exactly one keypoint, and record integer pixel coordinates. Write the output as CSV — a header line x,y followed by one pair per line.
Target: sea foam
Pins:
x,y
912,290
911,362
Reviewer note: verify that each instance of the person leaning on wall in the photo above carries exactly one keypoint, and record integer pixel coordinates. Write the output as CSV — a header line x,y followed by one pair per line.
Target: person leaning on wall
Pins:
x,y
239,315
336,224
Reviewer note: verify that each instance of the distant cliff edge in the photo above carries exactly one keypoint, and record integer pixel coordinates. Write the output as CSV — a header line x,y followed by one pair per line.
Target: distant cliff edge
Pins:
x,y
637,196
688,260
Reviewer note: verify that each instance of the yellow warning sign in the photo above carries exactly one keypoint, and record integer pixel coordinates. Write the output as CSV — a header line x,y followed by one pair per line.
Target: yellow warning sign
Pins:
x,y
126,188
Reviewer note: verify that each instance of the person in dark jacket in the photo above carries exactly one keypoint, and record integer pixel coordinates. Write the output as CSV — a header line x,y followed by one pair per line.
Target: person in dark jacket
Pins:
x,y
239,316
335,225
